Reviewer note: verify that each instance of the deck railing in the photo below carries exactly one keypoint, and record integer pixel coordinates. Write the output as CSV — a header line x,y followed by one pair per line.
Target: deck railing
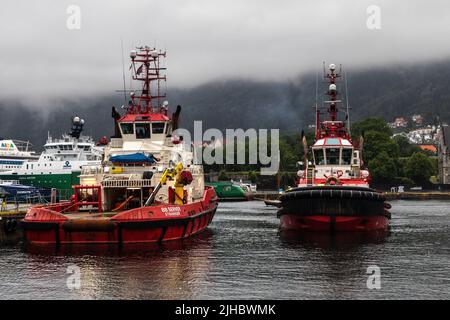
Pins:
x,y
127,183
116,143
88,170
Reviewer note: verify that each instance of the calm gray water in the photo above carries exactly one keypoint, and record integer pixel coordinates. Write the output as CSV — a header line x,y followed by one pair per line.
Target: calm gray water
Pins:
x,y
242,256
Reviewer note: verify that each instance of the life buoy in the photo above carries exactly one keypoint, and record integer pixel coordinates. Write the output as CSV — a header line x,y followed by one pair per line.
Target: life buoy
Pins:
x,y
331,181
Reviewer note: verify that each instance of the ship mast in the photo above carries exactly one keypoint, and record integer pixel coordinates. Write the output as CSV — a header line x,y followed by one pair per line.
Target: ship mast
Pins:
x,y
331,127
332,92
146,68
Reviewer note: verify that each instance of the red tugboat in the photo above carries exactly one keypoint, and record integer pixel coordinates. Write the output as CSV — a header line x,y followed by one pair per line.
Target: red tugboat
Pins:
x,y
147,189
333,191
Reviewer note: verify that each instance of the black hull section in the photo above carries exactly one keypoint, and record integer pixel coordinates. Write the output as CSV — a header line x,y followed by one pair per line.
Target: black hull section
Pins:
x,y
333,208
333,201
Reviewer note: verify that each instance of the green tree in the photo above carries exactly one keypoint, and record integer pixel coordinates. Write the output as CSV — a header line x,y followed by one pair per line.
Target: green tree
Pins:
x,y
383,168
419,168
376,142
406,149
288,154
223,176
252,176
370,124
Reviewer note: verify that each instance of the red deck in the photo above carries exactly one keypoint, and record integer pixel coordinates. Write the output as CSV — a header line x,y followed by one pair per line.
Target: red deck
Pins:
x,y
47,225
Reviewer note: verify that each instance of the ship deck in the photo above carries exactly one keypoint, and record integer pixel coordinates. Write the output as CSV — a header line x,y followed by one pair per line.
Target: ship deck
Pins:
x,y
77,215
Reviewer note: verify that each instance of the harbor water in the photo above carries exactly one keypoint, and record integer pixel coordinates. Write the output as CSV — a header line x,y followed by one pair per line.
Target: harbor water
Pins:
x,y
242,255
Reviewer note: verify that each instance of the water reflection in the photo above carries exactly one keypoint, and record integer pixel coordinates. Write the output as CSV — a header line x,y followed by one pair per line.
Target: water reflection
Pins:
x,y
170,270
332,241
134,249
242,256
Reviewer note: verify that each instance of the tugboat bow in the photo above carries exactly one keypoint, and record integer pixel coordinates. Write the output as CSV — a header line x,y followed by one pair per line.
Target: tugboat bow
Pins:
x,y
333,191
147,189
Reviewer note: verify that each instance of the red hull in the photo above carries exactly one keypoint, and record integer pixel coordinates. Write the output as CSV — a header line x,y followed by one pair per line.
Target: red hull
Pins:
x,y
339,223
45,225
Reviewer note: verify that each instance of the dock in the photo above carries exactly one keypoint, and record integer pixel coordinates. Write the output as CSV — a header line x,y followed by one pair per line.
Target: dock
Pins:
x,y
10,221
265,195
425,195
417,195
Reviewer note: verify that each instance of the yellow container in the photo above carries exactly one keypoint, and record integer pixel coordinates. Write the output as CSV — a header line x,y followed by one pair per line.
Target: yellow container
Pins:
x,y
116,170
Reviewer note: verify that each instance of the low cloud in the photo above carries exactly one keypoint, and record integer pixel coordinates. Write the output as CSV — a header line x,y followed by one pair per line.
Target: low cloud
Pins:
x,y
42,61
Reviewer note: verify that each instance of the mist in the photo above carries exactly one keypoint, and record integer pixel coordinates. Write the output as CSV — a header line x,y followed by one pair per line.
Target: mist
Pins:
x,y
43,62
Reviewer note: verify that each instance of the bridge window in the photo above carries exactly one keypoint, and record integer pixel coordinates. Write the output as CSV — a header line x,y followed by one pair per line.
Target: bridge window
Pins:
x,y
158,127
332,156
346,156
319,157
127,128
142,130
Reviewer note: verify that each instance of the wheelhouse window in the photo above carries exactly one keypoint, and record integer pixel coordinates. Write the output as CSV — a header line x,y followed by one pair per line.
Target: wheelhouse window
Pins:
x,y
319,157
346,156
332,155
158,127
142,130
127,128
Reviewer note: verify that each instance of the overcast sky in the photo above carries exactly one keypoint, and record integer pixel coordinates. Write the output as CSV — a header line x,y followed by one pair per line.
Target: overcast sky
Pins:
x,y
41,59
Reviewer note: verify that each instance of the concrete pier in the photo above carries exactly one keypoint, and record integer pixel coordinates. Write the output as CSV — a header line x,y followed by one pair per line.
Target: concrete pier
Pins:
x,y
9,224
417,195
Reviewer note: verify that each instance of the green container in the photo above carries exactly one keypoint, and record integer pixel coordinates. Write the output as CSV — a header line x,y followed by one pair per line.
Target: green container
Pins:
x,y
228,190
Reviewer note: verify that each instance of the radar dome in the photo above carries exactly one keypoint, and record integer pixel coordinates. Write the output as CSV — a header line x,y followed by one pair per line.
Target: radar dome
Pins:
x,y
133,54
154,54
332,87
76,119
332,67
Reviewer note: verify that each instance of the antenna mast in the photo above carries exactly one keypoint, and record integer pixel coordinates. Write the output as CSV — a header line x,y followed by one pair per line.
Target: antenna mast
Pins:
x,y
317,108
148,70
346,100
123,76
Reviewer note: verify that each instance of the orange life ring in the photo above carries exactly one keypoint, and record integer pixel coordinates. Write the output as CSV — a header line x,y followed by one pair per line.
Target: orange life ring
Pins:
x,y
331,181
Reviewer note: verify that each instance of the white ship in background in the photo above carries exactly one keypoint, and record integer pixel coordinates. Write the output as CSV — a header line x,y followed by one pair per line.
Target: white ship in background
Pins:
x,y
13,153
60,163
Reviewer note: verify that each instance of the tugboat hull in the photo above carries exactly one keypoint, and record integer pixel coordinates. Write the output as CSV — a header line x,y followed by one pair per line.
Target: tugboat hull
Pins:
x,y
328,208
152,224
327,223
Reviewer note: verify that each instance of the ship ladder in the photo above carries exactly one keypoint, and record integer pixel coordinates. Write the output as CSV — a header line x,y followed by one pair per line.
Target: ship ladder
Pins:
x,y
309,176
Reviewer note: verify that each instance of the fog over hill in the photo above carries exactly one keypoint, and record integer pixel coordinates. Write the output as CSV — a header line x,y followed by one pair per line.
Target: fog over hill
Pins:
x,y
385,92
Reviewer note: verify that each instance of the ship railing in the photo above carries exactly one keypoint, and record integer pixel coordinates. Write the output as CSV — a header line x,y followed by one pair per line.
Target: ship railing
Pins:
x,y
116,143
91,170
139,183
88,170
